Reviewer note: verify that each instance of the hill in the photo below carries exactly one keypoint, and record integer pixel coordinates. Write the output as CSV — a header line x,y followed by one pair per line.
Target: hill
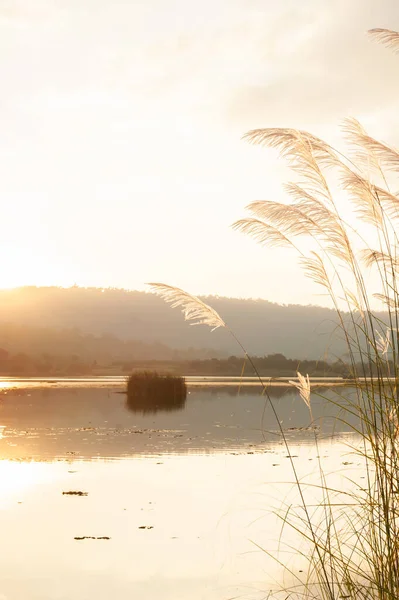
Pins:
x,y
263,327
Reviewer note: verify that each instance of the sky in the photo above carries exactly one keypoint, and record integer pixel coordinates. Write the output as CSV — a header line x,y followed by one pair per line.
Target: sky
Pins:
x,y
122,159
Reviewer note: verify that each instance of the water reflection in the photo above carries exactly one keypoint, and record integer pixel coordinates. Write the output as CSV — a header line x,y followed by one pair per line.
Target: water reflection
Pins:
x,y
94,422
152,410
163,403
206,512
16,478
177,526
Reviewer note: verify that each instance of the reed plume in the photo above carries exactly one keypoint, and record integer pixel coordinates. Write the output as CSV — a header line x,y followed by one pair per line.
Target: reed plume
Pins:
x,y
303,386
192,307
387,37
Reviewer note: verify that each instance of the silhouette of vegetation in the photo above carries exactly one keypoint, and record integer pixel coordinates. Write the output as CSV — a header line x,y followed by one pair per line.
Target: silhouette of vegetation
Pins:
x,y
150,392
272,365
79,363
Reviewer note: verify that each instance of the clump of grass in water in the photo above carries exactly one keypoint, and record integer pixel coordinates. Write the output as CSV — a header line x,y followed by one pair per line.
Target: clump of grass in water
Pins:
x,y
354,551
149,391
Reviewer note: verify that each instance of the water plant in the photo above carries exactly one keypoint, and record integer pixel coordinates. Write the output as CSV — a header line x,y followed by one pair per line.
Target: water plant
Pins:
x,y
150,391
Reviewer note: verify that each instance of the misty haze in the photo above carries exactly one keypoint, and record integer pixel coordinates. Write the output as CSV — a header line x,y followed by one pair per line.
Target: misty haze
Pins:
x,y
199,300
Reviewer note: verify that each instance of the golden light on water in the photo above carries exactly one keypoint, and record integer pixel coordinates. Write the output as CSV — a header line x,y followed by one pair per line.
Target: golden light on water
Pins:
x,y
6,385
17,477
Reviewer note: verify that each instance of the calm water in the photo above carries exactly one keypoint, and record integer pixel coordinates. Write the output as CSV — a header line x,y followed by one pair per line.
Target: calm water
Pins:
x,y
186,497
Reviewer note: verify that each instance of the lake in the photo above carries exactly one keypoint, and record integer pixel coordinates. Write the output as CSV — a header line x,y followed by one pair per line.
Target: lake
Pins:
x,y
99,500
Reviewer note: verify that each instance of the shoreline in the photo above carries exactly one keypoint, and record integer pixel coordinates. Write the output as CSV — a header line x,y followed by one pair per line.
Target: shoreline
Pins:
x,y
118,381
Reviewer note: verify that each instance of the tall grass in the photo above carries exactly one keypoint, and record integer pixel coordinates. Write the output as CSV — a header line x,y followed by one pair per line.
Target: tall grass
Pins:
x,y
151,392
341,217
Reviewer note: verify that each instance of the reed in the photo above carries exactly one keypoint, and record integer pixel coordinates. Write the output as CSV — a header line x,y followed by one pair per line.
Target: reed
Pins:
x,y
344,207
150,392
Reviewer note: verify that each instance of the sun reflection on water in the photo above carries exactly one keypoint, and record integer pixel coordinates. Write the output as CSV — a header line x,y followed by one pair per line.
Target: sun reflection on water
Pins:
x,y
6,385
17,477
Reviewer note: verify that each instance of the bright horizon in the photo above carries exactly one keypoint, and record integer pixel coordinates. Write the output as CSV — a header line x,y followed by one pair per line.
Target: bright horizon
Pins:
x,y
121,151
147,290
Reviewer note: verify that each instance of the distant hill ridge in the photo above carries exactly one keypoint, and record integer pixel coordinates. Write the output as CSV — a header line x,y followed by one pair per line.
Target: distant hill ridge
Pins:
x,y
263,327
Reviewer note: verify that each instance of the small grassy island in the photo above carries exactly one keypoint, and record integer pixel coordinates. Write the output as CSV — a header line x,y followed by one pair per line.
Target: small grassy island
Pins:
x,y
150,391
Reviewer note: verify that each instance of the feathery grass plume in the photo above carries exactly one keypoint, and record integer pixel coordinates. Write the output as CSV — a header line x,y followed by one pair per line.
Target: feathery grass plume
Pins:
x,y
388,155
355,135
375,204
294,220
305,153
390,302
303,386
369,152
383,343
192,307
312,206
370,257
315,270
331,226
262,232
389,201
364,196
353,300
286,217
290,142
387,37
308,155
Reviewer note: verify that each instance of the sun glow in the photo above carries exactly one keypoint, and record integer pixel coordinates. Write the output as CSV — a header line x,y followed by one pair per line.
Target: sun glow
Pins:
x,y
17,477
6,385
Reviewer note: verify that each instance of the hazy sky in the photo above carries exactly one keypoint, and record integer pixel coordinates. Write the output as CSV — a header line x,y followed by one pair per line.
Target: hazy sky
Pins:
x,y
121,157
